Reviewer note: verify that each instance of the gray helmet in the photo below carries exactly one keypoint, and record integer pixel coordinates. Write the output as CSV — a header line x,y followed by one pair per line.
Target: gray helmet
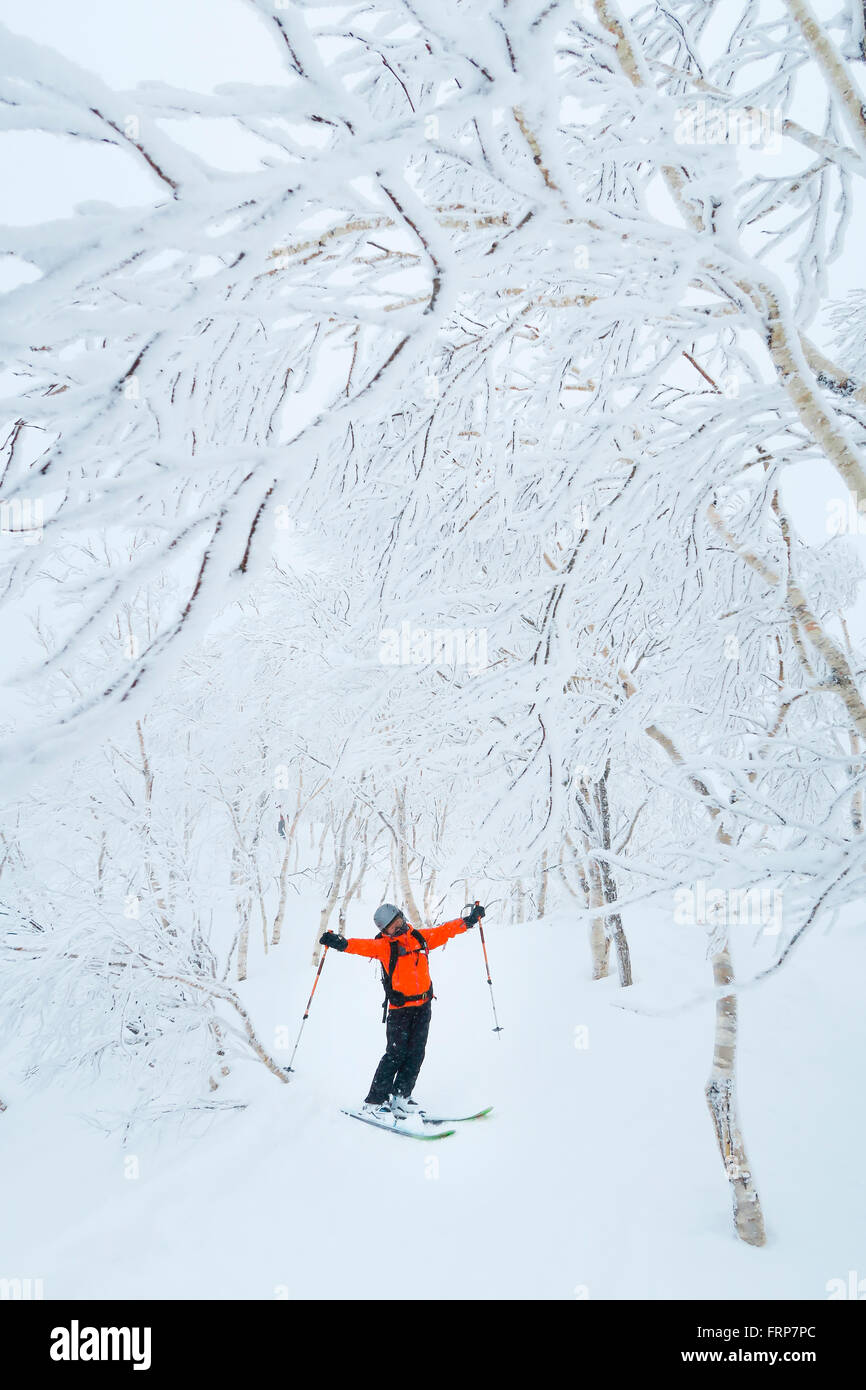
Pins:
x,y
385,914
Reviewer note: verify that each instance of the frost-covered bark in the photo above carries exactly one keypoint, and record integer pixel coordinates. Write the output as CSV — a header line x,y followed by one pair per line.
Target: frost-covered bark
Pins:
x,y
721,1098
340,869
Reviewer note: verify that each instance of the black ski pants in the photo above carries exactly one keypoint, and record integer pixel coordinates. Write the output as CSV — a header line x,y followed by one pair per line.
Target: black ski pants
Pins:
x,y
406,1033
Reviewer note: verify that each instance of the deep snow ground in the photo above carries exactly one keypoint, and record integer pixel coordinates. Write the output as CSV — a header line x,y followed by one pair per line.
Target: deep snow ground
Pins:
x,y
596,1176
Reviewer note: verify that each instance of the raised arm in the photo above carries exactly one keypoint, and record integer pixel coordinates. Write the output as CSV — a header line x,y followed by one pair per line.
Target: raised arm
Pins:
x,y
361,946
437,936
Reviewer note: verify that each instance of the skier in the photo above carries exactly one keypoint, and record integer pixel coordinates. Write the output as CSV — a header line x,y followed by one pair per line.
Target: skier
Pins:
x,y
402,952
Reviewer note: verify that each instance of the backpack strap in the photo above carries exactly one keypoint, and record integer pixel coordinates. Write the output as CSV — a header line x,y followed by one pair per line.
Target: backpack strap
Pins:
x,y
392,995
422,944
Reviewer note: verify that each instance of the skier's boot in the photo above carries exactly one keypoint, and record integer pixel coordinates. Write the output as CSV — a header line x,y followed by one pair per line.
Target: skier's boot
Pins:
x,y
376,1111
404,1107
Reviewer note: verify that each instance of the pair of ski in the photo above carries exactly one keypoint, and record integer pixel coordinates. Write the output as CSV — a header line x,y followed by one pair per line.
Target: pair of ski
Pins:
x,y
394,1127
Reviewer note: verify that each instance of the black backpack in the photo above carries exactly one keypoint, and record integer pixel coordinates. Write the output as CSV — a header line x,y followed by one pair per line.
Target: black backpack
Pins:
x,y
392,995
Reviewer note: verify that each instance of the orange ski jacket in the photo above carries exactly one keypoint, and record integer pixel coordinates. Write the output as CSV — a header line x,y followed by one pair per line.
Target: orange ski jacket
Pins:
x,y
411,972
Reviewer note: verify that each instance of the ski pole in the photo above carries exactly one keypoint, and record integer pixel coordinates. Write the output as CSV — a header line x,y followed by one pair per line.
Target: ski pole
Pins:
x,y
498,1028
307,1010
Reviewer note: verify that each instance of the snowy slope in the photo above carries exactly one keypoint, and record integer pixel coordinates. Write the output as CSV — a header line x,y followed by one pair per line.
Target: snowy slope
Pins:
x,y
596,1176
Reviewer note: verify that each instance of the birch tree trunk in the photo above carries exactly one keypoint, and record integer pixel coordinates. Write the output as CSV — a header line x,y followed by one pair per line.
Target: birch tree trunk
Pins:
x,y
519,912
243,907
720,1090
721,1097
263,912
243,938
593,897
833,69
100,866
599,941
336,882
403,860
857,796
429,894
353,889
542,885
291,842
147,774
283,883
613,920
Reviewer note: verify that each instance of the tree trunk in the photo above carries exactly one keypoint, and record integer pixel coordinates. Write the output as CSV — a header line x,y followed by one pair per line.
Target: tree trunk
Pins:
x,y
720,1092
599,941
403,861
291,841
519,911
542,886
353,889
243,908
857,796
593,898
155,889
614,922
243,939
336,881
283,889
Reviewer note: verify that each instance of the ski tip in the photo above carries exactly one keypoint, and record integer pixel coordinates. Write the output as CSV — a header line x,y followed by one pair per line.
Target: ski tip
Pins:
x,y
455,1119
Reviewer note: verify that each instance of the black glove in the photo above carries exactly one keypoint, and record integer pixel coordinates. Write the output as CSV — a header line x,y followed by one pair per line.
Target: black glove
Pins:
x,y
475,915
330,938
